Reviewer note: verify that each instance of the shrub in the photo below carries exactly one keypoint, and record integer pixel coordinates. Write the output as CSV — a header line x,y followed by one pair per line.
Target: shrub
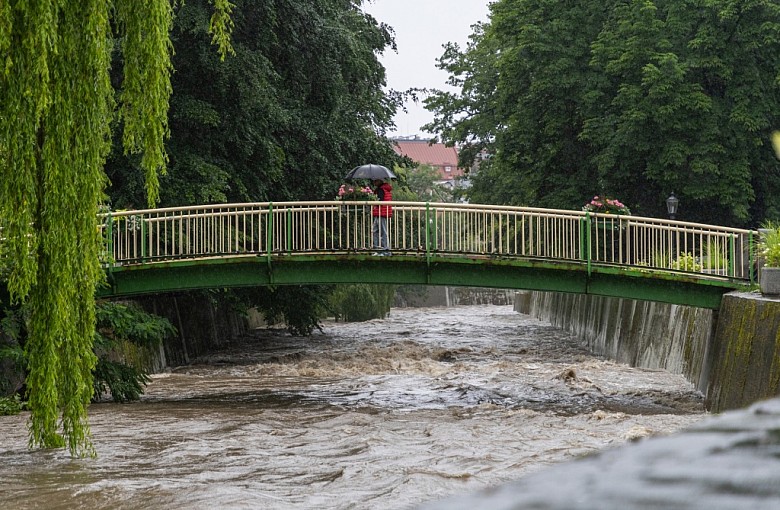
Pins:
x,y
361,302
11,405
769,244
686,262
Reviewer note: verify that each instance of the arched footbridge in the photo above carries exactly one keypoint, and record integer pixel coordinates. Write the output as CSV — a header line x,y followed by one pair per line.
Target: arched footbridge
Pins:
x,y
232,245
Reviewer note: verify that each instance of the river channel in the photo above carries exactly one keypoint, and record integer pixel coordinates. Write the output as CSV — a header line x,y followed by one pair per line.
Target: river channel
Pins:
x,y
426,404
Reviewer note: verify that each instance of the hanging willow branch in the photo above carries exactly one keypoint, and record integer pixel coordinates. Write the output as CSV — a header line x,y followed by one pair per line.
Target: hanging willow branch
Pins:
x,y
55,116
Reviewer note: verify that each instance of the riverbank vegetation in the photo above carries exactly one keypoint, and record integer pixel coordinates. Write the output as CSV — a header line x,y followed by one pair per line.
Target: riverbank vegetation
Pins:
x,y
59,106
125,339
635,99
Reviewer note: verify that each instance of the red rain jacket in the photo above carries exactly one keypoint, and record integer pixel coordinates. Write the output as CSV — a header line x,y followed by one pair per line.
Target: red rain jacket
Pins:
x,y
385,193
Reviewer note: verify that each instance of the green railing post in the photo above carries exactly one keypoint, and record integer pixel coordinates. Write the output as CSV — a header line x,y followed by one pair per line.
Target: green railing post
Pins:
x,y
732,254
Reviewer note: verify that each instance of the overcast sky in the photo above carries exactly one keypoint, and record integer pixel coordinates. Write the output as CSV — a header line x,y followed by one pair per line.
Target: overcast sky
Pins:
x,y
422,27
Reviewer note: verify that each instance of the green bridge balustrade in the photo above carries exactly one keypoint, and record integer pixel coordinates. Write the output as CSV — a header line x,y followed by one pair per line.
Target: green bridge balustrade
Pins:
x,y
229,245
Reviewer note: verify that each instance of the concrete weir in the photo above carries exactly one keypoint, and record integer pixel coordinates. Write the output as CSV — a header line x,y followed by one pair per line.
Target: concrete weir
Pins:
x,y
732,356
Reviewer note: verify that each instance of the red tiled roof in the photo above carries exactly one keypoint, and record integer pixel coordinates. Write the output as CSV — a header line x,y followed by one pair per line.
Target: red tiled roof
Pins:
x,y
421,152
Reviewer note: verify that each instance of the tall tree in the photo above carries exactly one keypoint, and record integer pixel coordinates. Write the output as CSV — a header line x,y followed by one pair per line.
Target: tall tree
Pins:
x,y
55,117
637,99
299,104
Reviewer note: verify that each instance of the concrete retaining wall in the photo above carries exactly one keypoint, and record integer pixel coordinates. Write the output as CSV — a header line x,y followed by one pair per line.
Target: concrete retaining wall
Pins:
x,y
732,356
746,364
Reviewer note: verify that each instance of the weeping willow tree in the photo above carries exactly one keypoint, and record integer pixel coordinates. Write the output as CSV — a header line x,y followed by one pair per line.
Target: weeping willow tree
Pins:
x,y
57,107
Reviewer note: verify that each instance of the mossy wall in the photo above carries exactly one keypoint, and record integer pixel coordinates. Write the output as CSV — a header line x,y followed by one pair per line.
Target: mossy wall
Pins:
x,y
746,364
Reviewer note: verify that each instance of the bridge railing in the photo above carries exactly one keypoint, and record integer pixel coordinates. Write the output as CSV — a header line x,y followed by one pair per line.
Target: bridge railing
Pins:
x,y
428,229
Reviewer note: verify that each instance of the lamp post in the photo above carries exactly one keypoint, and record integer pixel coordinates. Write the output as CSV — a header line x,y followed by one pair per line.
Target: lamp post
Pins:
x,y
671,205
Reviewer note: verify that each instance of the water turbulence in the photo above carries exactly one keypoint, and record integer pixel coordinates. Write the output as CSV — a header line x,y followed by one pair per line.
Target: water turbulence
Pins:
x,y
390,413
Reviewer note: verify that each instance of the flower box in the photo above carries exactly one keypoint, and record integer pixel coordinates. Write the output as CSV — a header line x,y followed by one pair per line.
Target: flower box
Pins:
x,y
606,205
353,192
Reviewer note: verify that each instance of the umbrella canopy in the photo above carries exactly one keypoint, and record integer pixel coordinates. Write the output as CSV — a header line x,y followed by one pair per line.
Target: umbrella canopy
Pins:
x,y
370,172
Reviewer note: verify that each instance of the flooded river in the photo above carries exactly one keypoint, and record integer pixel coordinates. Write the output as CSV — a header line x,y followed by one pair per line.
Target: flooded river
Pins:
x,y
423,405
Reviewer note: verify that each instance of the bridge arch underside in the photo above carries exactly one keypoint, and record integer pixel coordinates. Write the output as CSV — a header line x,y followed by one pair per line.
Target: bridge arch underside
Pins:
x,y
253,271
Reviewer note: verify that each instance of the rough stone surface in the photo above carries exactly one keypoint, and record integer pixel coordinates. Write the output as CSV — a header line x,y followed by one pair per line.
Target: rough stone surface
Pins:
x,y
730,462
770,281
746,347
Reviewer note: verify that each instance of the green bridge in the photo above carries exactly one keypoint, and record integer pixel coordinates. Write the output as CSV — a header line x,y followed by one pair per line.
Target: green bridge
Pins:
x,y
291,243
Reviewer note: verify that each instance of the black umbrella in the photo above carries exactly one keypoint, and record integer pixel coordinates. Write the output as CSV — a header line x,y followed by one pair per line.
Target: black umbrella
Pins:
x,y
370,172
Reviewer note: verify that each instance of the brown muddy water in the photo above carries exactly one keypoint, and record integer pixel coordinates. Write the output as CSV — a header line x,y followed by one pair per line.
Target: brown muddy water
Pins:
x,y
387,414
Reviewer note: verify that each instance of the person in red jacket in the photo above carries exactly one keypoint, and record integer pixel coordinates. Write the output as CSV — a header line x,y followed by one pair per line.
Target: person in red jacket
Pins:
x,y
381,214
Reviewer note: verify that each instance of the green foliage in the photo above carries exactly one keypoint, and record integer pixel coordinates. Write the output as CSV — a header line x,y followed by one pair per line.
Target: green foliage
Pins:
x,y
11,405
633,99
714,257
421,185
118,323
221,26
686,262
124,382
13,361
299,307
55,119
769,244
12,367
361,302
300,103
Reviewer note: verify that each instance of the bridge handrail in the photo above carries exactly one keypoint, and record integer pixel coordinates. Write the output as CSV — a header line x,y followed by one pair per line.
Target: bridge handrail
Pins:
x,y
431,228
437,205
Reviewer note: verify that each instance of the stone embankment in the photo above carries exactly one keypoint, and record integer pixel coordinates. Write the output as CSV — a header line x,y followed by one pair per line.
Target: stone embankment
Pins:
x,y
203,323
439,295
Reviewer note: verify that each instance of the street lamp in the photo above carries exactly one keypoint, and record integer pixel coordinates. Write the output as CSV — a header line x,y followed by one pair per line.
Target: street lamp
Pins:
x,y
671,205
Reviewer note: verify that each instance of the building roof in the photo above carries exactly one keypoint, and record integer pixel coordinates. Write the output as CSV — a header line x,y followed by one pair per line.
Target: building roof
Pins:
x,y
423,152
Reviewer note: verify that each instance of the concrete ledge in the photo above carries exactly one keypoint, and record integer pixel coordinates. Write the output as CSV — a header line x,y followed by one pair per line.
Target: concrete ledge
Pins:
x,y
746,348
